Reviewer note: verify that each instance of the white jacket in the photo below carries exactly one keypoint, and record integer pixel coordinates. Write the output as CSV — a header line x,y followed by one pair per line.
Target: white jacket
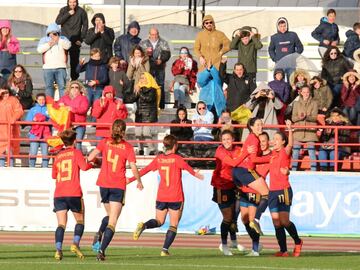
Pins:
x,y
55,56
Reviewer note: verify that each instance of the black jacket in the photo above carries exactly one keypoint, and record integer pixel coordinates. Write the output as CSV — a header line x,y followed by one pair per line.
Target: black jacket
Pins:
x,y
146,106
125,43
115,78
351,44
239,89
102,41
333,70
181,133
326,31
24,96
74,27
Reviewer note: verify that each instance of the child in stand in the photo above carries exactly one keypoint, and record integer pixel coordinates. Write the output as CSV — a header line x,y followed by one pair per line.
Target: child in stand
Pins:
x,y
117,77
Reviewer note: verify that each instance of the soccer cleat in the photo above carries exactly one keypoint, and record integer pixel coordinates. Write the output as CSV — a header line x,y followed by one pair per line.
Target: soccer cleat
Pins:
x,y
58,255
96,243
237,246
225,249
100,256
256,226
164,253
297,249
139,229
260,247
252,253
76,250
282,254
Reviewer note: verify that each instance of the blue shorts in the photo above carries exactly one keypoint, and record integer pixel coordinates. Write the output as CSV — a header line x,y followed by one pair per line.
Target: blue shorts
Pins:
x,y
74,204
249,199
224,197
243,177
112,195
169,205
280,200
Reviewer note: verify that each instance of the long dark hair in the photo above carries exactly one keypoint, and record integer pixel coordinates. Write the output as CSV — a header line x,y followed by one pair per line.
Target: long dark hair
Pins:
x,y
327,58
118,131
169,142
251,123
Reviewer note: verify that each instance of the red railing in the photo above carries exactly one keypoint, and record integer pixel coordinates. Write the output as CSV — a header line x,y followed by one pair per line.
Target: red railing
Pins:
x,y
336,161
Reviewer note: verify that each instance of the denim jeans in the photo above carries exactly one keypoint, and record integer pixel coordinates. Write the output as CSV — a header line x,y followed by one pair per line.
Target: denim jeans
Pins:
x,y
57,75
3,160
312,155
179,92
94,93
34,146
159,76
80,133
351,113
329,154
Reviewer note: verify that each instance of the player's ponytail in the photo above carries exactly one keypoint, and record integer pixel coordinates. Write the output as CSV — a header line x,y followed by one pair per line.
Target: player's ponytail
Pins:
x,y
118,131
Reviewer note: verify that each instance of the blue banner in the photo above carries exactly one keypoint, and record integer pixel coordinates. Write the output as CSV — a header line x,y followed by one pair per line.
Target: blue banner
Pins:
x,y
323,203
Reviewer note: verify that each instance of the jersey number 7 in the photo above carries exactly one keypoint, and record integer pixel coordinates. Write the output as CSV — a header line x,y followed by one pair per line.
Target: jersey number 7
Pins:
x,y
167,174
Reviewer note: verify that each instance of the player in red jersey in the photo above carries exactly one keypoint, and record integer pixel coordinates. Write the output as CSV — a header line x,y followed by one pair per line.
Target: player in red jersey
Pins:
x,y
112,181
170,195
68,193
245,174
280,195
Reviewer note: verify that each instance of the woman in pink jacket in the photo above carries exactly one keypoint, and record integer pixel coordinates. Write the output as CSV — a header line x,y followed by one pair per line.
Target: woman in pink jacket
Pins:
x,y
106,110
9,47
75,98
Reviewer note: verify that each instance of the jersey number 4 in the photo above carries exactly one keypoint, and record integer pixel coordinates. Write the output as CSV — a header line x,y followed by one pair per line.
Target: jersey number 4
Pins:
x,y
112,159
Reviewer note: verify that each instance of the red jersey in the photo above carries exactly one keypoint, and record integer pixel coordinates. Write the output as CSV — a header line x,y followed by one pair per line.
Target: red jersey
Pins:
x,y
225,161
66,171
113,167
169,167
279,159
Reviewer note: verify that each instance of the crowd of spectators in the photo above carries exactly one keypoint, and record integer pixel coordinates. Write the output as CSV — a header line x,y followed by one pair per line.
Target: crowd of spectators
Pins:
x,y
130,70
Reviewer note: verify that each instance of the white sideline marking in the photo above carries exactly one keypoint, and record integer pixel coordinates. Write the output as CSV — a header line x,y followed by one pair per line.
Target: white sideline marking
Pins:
x,y
166,265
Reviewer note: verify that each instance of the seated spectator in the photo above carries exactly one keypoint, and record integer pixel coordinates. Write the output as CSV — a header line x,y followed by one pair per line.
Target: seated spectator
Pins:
x,y
138,64
147,97
75,99
184,70
39,113
327,150
10,112
9,47
96,75
263,103
202,116
322,96
225,120
182,133
298,79
352,42
106,110
21,86
118,78
304,113
53,48
350,92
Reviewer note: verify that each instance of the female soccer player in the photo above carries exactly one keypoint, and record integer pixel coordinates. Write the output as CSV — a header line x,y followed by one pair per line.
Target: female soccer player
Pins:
x,y
170,196
280,195
112,181
68,193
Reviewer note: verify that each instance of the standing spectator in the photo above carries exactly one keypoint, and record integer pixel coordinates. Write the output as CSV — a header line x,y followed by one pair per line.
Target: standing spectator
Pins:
x,y
350,92
352,42
75,99
125,43
182,133
239,86
227,124
100,36
53,48
184,70
247,43
96,74
21,86
283,43
327,150
321,94
107,109
10,112
210,44
9,47
38,113
327,33
138,64
298,79
159,53
117,77
304,113
74,25
202,116
334,66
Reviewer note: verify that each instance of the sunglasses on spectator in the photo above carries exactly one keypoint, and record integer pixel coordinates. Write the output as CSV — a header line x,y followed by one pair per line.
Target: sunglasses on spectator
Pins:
x,y
207,23
333,53
74,87
201,108
18,71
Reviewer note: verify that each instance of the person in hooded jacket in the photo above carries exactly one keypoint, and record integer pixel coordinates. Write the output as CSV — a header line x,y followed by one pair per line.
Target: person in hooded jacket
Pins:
x,y
53,48
106,110
100,36
9,47
74,25
202,116
321,94
352,42
350,93
210,44
125,43
327,33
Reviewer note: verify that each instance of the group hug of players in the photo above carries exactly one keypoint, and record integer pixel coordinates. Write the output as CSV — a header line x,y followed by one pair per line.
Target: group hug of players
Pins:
x,y
238,181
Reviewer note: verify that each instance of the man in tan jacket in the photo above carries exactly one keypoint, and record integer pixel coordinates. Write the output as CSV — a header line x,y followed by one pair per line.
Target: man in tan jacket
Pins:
x,y
210,44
